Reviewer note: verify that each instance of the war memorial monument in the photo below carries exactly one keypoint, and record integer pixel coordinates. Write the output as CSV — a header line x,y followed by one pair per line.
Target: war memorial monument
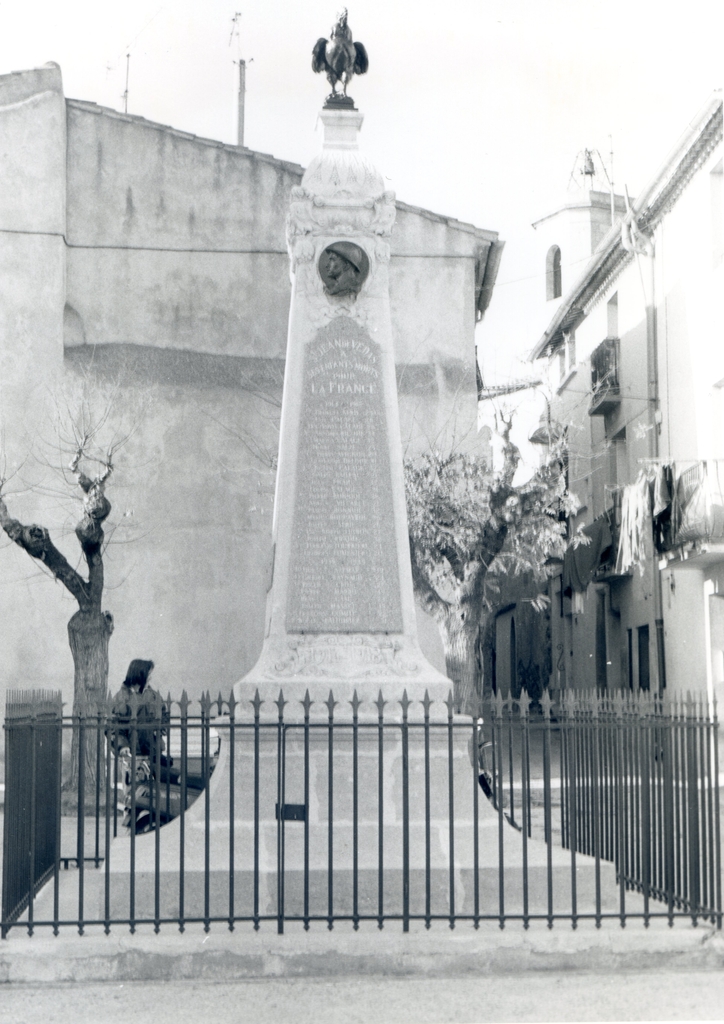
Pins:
x,y
341,609
340,640
346,787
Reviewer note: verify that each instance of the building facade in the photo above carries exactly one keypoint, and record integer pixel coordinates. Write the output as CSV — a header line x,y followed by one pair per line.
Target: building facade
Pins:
x,y
634,354
147,266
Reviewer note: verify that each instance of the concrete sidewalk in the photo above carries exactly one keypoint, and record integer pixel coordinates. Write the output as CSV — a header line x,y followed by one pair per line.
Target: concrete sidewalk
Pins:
x,y
438,953
532,997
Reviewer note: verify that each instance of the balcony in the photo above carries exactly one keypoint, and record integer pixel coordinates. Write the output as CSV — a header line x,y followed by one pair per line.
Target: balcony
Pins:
x,y
604,378
697,510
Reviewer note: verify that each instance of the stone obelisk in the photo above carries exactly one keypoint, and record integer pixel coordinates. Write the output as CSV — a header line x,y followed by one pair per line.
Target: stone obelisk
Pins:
x,y
340,610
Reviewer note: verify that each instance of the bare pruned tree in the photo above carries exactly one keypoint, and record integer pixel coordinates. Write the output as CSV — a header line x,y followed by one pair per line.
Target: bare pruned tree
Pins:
x,y
90,628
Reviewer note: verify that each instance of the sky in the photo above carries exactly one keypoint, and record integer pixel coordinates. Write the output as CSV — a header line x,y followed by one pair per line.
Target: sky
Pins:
x,y
473,108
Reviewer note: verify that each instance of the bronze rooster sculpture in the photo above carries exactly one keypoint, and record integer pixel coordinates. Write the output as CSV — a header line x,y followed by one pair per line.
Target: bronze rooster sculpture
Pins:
x,y
340,58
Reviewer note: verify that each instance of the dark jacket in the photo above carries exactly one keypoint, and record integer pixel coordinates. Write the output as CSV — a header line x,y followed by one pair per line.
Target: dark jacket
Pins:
x,y
151,716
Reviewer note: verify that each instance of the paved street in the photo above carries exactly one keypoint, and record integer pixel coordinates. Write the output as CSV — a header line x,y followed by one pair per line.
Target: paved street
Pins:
x,y
536,996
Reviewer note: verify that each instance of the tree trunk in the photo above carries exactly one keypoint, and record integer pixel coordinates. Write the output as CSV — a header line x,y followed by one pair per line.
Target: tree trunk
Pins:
x,y
89,630
88,633
459,630
489,681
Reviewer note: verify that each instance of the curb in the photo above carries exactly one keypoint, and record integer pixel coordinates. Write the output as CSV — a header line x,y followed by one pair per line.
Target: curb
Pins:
x,y
223,957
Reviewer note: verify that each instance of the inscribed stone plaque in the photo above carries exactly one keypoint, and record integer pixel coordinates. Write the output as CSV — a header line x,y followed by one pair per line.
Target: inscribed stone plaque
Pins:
x,y
344,574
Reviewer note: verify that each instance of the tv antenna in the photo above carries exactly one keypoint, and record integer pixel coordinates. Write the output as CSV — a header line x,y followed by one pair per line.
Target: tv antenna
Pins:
x,y
590,165
129,46
235,31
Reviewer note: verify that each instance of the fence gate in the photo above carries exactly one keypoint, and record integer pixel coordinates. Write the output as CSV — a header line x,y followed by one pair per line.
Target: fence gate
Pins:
x,y
31,832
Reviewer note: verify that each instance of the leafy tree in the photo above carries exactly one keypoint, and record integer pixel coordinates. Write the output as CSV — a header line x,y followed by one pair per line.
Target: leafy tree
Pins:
x,y
469,524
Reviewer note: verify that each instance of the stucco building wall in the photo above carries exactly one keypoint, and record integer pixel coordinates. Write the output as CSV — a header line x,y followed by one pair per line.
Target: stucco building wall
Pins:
x,y
169,236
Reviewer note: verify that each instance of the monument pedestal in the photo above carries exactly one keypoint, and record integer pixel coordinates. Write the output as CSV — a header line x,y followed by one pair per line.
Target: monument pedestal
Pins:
x,y
392,825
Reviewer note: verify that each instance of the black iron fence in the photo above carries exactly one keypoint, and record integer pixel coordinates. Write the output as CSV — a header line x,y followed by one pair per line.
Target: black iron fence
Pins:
x,y
31,828
320,812
637,787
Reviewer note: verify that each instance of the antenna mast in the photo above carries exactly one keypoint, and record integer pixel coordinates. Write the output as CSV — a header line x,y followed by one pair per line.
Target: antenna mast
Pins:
x,y
128,47
242,78
610,179
125,93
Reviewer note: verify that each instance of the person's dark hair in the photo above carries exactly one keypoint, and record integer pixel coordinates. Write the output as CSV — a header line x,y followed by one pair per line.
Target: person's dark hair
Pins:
x,y
137,673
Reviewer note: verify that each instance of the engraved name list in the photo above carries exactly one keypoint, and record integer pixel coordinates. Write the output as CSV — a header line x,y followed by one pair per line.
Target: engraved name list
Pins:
x,y
343,573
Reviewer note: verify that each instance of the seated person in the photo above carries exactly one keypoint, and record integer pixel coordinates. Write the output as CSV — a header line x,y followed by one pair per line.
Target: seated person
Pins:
x,y
145,734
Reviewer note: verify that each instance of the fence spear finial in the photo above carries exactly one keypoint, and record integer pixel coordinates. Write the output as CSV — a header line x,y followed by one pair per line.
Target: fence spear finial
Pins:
x,y
404,704
426,702
280,703
306,703
523,703
546,704
256,703
355,702
331,704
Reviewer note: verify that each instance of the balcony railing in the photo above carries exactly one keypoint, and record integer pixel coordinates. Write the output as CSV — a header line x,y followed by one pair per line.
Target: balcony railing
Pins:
x,y
697,508
604,378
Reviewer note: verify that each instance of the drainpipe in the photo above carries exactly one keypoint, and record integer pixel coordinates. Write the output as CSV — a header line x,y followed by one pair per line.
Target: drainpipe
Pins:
x,y
709,589
642,245
652,358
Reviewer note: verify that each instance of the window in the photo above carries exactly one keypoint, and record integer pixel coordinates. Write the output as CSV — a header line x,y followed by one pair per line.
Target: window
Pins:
x,y
566,354
561,354
612,316
554,288
601,652
644,676
513,661
717,213
617,460
570,340
629,634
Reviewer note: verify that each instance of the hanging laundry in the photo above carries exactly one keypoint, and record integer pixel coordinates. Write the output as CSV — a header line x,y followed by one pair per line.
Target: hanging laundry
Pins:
x,y
581,562
663,508
662,494
635,507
